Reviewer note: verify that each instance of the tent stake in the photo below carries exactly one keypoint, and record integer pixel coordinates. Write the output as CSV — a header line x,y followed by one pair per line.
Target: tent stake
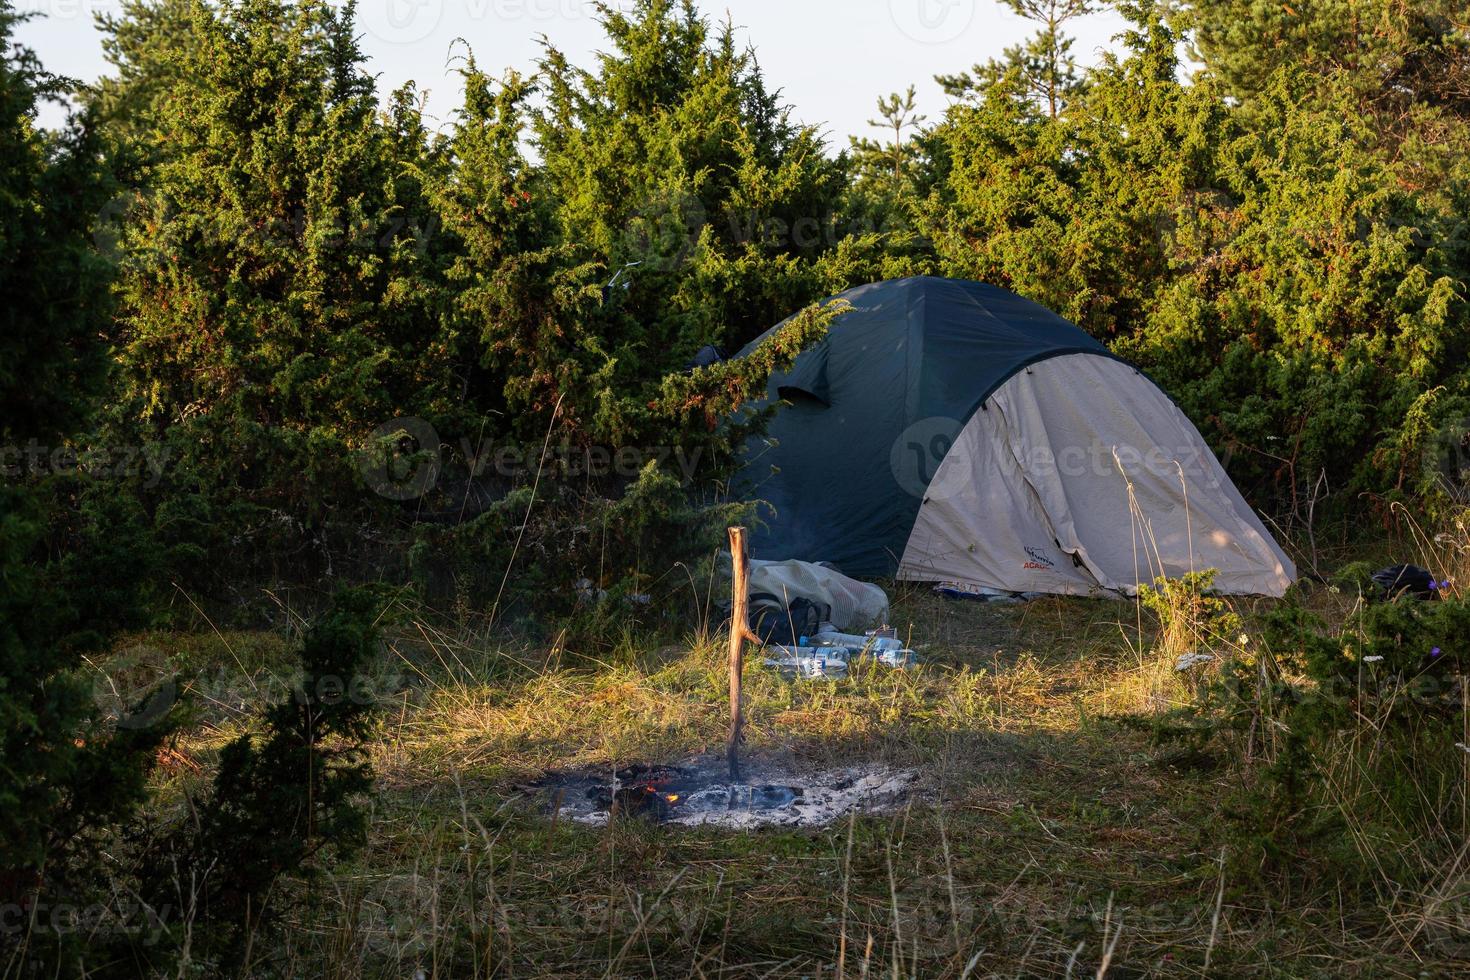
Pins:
x,y
739,633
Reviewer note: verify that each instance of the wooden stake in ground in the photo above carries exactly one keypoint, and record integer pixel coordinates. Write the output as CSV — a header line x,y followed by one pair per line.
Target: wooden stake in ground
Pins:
x,y
739,633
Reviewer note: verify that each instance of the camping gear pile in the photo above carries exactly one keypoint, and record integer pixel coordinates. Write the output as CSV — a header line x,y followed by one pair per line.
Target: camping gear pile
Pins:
x,y
799,611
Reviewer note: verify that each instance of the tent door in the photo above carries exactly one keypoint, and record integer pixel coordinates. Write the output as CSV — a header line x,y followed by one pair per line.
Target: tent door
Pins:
x,y
982,522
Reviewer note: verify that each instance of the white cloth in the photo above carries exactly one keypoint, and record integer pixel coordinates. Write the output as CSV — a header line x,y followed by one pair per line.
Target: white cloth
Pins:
x,y
855,605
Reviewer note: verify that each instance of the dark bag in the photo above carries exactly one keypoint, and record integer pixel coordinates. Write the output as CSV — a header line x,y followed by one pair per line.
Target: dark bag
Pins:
x,y
785,625
1410,580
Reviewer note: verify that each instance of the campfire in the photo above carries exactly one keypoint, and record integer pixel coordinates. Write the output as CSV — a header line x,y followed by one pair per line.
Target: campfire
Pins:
x,y
662,793
700,793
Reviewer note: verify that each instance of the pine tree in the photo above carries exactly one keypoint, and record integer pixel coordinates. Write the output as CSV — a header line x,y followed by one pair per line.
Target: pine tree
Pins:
x,y
1042,70
899,114
64,774
1388,50
1405,65
553,338
277,296
522,301
886,183
144,42
1265,262
673,161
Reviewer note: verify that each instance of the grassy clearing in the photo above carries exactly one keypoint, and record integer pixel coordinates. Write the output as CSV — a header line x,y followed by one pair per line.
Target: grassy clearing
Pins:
x,y
1049,840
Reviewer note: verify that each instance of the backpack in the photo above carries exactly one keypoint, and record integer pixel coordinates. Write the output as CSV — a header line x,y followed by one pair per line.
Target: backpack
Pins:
x,y
784,625
1410,580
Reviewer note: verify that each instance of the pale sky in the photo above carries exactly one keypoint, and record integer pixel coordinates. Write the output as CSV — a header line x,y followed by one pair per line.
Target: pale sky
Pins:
x,y
832,60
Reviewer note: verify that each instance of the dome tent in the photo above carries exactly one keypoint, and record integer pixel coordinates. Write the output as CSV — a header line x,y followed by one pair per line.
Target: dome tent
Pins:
x,y
951,431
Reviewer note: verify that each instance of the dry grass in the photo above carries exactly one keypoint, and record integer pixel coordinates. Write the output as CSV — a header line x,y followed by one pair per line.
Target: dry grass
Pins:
x,y
1048,841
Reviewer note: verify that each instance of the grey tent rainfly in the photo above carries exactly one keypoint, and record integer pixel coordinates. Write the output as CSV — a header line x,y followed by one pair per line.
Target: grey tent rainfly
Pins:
x,y
951,431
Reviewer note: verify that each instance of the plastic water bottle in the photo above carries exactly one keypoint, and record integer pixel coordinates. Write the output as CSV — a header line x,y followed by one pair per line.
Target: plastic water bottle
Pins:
x,y
875,643
809,663
898,658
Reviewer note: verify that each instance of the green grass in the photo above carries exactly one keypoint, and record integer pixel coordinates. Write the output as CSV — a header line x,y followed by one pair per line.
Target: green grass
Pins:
x,y
1046,840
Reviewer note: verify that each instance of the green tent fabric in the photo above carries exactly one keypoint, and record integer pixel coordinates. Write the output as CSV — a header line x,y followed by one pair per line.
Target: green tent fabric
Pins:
x,y
874,411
